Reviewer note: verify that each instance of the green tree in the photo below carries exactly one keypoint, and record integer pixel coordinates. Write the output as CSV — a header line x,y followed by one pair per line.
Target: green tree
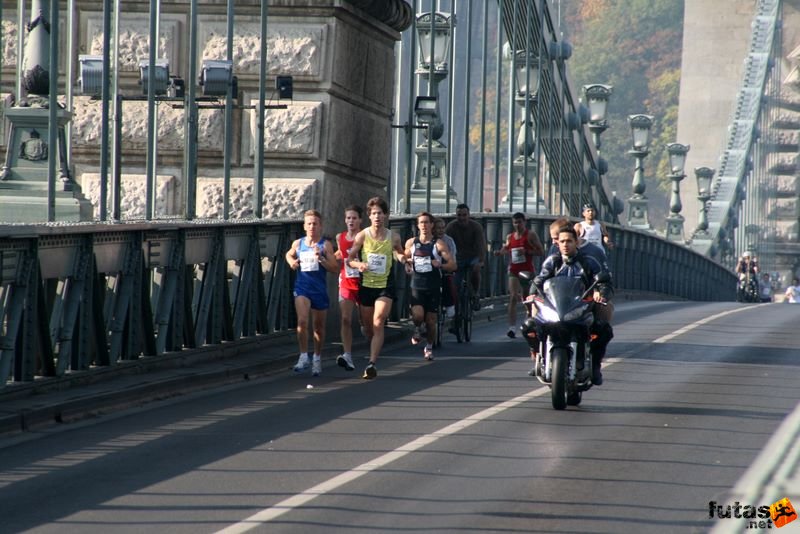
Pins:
x,y
634,45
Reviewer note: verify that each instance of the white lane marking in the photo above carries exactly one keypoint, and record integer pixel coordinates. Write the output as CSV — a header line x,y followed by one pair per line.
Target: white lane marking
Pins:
x,y
701,322
287,505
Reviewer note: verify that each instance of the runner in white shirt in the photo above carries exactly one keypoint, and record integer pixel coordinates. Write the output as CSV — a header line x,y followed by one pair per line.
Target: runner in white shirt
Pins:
x,y
592,230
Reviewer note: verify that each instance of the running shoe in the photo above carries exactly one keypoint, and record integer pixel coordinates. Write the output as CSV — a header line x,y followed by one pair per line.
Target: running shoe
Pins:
x,y
302,363
370,372
416,337
346,361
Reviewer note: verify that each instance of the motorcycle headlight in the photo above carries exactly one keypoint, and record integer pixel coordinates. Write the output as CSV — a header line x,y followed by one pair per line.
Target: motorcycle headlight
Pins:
x,y
575,314
549,314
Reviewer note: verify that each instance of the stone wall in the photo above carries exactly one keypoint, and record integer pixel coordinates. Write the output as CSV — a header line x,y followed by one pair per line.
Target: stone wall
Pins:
x,y
329,148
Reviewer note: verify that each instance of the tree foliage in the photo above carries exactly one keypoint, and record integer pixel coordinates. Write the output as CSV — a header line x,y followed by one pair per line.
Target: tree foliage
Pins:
x,y
634,45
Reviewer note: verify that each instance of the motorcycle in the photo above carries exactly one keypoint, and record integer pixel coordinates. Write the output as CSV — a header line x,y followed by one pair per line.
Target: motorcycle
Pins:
x,y
747,288
563,317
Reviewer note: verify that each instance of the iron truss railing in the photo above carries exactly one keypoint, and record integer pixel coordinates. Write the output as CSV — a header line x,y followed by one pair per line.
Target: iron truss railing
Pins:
x,y
742,193
87,296
516,137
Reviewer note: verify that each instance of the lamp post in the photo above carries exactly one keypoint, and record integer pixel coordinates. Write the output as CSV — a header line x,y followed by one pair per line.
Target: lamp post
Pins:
x,y
35,180
677,160
429,190
596,97
704,175
637,203
753,234
525,168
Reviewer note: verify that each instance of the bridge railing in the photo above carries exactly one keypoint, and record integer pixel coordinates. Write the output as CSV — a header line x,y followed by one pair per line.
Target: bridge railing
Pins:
x,y
85,296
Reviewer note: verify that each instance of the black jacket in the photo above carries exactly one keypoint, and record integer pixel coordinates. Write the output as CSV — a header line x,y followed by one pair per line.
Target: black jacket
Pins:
x,y
578,266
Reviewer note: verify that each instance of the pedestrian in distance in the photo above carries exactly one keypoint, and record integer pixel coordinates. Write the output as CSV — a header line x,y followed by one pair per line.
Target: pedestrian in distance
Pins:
x,y
312,257
349,279
426,257
792,293
521,245
373,251
765,289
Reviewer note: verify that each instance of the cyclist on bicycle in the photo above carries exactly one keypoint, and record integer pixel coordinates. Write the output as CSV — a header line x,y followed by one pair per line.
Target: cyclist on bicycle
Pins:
x,y
424,261
449,293
471,244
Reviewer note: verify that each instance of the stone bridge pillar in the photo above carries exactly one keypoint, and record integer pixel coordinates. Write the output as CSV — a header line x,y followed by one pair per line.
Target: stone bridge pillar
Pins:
x,y
329,148
337,131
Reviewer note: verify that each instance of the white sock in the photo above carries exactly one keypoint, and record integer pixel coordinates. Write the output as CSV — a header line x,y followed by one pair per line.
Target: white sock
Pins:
x,y
317,356
304,355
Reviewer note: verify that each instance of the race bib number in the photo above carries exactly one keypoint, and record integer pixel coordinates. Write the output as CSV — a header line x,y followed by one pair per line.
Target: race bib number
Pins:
x,y
308,261
376,263
422,264
518,255
350,272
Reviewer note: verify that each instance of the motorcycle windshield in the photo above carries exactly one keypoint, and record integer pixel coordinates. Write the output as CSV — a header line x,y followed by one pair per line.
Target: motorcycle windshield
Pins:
x,y
564,293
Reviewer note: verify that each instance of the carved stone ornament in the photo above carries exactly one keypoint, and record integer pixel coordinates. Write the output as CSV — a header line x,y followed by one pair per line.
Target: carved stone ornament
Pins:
x,y
33,148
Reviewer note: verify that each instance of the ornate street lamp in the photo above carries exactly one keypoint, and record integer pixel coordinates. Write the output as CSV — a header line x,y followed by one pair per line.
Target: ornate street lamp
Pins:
x,y
429,189
433,36
753,235
596,97
524,168
704,175
637,203
677,160
526,65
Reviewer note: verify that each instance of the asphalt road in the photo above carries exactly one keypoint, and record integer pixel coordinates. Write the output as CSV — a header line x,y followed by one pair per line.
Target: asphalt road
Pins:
x,y
466,443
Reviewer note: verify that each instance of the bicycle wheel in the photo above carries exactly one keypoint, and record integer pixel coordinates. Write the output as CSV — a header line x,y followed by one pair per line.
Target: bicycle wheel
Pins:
x,y
456,330
462,314
467,324
466,317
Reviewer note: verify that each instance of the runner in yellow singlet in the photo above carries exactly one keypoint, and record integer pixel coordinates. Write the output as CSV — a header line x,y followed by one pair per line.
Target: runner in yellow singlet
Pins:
x,y
372,254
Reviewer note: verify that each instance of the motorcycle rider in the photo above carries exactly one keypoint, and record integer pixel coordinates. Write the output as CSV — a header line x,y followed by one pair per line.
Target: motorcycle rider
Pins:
x,y
747,264
572,261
